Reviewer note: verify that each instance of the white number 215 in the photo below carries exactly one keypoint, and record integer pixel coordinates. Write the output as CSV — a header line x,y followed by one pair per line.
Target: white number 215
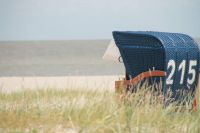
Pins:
x,y
182,67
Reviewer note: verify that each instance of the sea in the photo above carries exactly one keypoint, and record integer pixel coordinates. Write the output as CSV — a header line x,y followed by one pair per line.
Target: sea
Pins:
x,y
57,58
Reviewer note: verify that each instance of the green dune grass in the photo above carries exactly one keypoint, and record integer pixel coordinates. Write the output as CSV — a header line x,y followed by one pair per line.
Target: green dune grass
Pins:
x,y
87,111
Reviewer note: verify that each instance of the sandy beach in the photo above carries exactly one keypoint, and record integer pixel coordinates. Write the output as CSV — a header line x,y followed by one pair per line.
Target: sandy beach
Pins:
x,y
99,83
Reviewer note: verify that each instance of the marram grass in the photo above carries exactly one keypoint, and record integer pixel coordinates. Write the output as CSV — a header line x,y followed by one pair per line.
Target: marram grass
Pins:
x,y
87,111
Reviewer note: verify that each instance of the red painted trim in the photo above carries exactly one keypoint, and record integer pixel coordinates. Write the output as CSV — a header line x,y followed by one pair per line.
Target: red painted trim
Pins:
x,y
140,77
195,104
147,74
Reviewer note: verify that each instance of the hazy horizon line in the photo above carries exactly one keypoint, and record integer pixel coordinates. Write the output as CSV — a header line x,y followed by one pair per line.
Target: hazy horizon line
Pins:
x,y
103,39
55,40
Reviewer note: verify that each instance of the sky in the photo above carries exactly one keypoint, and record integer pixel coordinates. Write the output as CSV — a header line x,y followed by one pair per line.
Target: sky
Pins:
x,y
95,19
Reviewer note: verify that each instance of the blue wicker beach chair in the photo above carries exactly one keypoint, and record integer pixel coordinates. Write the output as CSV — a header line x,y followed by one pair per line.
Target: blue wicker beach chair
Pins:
x,y
172,58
